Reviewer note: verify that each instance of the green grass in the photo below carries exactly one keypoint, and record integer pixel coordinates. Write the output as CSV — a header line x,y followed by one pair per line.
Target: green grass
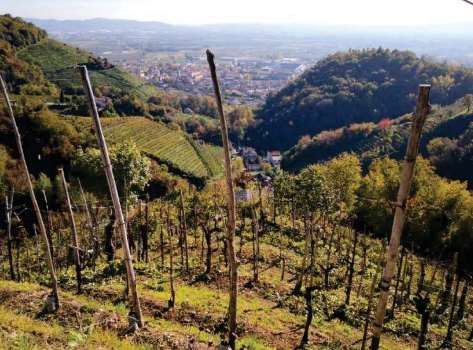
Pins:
x,y
57,60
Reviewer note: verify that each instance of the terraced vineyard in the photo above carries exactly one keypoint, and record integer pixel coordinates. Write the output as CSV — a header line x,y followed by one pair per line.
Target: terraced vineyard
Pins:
x,y
172,147
57,60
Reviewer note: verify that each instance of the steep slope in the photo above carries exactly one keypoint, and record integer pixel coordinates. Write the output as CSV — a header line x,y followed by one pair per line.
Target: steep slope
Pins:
x,y
172,147
446,141
353,87
57,60
40,72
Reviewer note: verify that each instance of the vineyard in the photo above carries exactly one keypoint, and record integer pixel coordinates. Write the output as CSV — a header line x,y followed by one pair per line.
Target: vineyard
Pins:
x,y
171,147
57,60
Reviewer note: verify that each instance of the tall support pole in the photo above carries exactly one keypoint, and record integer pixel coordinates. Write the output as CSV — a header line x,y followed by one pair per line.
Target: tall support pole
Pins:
x,y
407,175
131,277
75,238
39,218
232,263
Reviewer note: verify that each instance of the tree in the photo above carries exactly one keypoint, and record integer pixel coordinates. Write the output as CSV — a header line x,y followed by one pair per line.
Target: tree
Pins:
x,y
130,166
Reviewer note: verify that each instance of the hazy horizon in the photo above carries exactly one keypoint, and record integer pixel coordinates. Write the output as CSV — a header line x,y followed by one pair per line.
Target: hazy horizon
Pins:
x,y
363,13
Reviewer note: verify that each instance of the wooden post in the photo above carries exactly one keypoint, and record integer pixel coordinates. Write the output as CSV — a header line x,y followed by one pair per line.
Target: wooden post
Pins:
x,y
407,175
145,232
87,212
232,308
39,218
161,243
398,280
172,299
447,343
50,224
184,230
351,269
8,210
255,229
368,311
75,239
114,194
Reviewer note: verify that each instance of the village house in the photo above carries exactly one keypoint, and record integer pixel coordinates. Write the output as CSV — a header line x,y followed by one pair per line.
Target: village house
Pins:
x,y
274,158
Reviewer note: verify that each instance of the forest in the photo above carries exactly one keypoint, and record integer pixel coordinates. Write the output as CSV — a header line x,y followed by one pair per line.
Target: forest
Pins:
x,y
353,87
124,230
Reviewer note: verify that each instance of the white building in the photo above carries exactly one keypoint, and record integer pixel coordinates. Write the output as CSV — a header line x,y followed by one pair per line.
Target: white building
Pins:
x,y
274,158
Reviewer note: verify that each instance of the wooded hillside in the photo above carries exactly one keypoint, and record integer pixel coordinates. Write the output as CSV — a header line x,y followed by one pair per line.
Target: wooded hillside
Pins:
x,y
353,87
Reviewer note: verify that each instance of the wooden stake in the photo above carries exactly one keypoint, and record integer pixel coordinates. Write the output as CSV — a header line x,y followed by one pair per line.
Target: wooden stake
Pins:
x,y
255,228
37,211
368,311
172,299
184,230
232,308
8,210
87,212
351,269
407,175
447,343
114,194
50,224
75,239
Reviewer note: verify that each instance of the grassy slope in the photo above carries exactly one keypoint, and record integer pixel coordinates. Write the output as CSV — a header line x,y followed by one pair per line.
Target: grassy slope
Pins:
x,y
98,318
170,146
57,60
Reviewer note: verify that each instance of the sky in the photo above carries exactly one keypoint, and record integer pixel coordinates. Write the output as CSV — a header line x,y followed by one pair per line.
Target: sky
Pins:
x,y
316,12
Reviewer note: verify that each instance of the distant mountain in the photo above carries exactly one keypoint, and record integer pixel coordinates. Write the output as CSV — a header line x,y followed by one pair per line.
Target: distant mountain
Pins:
x,y
447,140
353,87
99,24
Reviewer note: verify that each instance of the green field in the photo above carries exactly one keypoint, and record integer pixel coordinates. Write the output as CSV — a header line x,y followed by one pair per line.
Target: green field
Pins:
x,y
172,147
57,60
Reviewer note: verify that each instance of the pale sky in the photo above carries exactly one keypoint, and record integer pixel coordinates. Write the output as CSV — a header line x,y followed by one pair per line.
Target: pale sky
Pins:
x,y
316,12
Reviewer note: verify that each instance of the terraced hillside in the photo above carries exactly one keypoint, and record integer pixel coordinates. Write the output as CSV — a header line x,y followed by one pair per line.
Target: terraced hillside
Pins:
x,y
172,147
57,60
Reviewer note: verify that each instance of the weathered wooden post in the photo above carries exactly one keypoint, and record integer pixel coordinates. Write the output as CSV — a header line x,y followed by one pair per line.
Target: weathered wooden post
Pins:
x,y
75,239
8,210
351,269
90,224
255,230
172,299
447,343
407,175
54,295
131,277
368,311
50,224
232,308
183,222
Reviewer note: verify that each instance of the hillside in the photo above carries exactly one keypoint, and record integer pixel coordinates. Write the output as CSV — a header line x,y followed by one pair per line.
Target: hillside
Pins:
x,y
57,61
446,142
353,87
270,314
41,72
171,147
